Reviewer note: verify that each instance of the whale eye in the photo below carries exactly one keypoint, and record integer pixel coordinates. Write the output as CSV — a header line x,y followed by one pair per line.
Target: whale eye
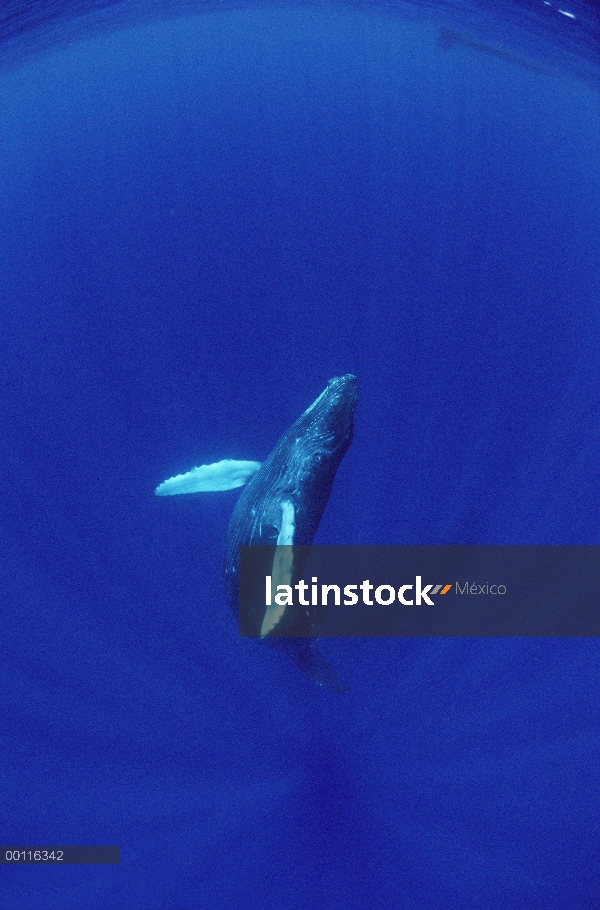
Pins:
x,y
270,532
318,458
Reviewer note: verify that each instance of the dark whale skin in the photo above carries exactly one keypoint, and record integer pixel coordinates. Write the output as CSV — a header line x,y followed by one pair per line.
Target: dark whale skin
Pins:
x,y
300,469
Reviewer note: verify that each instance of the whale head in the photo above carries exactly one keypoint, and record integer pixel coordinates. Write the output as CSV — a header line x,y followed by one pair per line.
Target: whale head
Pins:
x,y
309,454
292,487
324,431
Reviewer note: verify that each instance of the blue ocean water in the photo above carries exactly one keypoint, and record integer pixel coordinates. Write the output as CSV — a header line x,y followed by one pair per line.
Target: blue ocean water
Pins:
x,y
204,218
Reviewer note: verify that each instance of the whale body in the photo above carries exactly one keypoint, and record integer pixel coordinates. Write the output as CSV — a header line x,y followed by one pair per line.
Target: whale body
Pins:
x,y
283,503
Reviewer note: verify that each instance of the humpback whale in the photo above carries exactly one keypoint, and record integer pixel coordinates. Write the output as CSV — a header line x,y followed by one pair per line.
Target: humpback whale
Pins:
x,y
283,503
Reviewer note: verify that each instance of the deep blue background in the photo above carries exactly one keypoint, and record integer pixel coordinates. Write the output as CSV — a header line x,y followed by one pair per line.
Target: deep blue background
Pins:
x,y
202,221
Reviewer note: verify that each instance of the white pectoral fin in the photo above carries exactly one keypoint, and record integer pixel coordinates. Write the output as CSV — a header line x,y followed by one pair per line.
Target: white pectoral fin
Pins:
x,y
223,475
283,569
